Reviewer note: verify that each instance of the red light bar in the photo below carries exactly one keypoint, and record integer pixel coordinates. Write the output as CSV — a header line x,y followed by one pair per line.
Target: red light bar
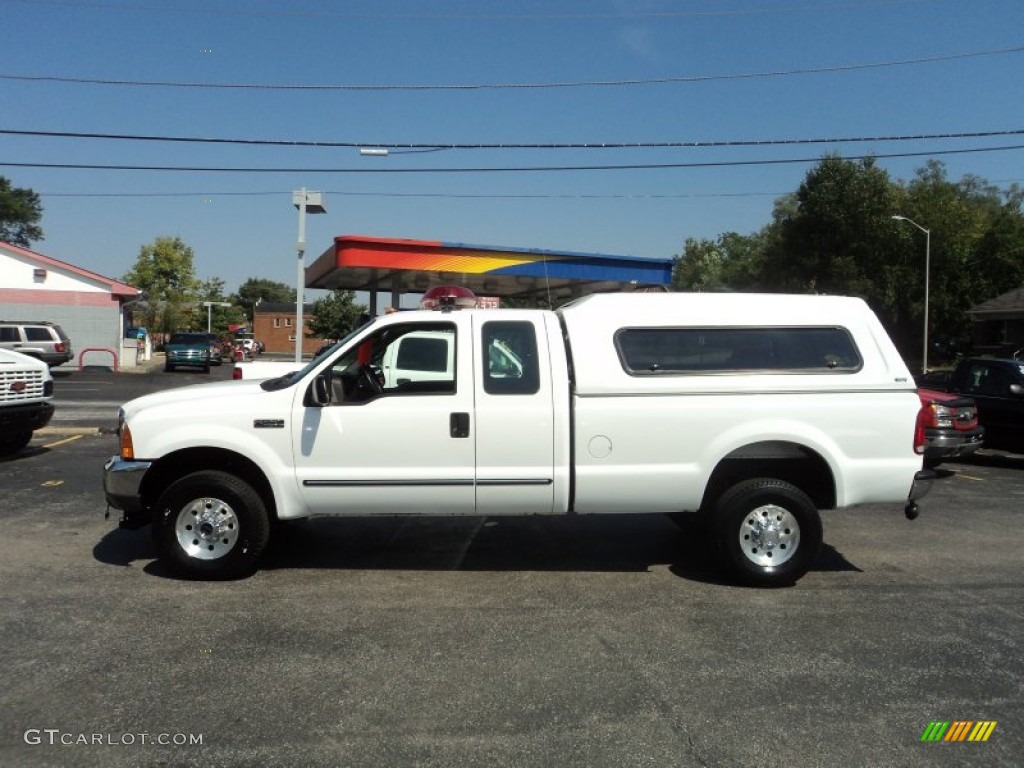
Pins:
x,y
448,297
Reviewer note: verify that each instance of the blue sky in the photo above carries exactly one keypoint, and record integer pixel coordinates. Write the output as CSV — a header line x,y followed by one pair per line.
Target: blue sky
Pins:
x,y
243,225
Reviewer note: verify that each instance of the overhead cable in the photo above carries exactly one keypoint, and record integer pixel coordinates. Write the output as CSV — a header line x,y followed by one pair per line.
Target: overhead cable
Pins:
x,y
696,144
522,86
500,169
214,10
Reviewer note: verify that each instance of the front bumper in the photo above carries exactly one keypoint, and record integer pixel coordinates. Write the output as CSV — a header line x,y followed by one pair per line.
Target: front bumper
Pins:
x,y
30,416
122,481
950,443
188,358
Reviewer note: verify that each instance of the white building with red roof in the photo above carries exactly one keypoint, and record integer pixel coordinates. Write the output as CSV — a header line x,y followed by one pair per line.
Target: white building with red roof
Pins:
x,y
89,307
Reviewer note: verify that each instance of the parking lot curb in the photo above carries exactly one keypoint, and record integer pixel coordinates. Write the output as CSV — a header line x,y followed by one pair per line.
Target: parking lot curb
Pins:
x,y
69,431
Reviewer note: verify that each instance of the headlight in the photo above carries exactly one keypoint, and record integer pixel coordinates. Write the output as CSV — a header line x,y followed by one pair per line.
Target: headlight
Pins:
x,y
943,415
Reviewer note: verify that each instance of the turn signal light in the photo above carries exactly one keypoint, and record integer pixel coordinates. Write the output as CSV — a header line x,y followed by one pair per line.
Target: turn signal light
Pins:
x,y
127,449
924,416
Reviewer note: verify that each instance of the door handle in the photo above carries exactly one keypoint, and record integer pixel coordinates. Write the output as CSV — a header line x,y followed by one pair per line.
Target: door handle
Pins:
x,y
458,425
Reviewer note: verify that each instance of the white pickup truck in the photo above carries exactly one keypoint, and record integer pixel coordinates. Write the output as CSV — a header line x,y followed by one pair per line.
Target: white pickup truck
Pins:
x,y
754,410
264,369
26,399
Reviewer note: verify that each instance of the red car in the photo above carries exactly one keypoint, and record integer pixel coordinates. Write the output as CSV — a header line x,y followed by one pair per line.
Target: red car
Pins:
x,y
950,424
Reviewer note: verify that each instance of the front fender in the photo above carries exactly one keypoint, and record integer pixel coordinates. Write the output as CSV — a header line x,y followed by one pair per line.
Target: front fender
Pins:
x,y
262,437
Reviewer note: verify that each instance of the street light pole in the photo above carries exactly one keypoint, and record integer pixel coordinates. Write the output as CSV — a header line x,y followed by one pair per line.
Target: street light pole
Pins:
x,y
209,310
306,202
927,276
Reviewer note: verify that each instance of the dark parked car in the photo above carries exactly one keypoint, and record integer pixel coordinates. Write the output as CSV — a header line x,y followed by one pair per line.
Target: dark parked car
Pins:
x,y
950,424
997,386
188,349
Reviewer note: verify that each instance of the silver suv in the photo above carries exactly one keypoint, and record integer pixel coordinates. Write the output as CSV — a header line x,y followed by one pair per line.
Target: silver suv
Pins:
x,y
39,339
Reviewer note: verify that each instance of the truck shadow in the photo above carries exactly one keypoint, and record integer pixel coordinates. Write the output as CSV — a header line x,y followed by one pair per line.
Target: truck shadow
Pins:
x,y
25,453
606,543
990,458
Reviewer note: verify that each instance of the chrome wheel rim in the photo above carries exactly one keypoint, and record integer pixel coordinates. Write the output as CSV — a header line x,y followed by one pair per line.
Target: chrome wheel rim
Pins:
x,y
769,535
207,528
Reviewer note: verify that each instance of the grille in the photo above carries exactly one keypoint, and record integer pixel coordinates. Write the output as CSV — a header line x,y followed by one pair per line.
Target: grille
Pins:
x,y
966,416
34,385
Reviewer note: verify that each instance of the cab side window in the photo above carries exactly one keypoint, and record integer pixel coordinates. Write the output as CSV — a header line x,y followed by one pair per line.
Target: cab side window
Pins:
x,y
398,360
509,358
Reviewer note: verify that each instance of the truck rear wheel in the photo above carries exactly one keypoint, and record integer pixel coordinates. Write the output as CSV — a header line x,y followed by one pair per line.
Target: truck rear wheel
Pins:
x,y
768,531
211,525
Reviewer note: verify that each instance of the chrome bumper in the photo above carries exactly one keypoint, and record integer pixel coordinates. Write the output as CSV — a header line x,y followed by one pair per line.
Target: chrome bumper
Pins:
x,y
947,445
121,483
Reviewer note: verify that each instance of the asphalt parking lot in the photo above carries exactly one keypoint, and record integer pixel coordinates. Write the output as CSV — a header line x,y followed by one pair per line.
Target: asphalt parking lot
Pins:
x,y
510,642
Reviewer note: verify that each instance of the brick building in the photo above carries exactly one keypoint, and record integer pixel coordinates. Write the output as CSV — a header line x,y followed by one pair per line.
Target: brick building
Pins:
x,y
274,325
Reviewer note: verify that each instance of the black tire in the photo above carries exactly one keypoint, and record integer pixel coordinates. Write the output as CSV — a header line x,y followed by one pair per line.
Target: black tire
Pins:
x,y
211,525
14,442
768,532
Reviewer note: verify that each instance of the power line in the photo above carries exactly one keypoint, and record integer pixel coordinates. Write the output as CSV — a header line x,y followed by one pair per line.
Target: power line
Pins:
x,y
501,169
439,196
521,86
584,145
444,195
420,16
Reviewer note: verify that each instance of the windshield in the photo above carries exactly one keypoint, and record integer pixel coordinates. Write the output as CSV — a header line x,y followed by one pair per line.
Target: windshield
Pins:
x,y
281,382
187,338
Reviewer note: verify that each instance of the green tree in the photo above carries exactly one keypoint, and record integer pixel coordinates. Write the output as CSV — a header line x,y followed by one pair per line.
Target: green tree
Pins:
x,y
700,266
836,234
165,271
732,262
335,316
257,289
20,213
834,240
977,248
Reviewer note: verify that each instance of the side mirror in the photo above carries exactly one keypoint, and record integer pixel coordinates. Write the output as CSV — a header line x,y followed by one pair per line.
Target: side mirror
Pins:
x,y
320,392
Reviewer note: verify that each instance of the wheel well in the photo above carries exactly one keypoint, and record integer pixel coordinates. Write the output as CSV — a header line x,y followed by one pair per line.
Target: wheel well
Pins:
x,y
180,463
793,463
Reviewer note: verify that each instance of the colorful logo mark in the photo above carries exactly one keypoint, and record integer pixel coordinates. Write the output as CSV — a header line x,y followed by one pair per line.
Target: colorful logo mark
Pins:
x,y
958,730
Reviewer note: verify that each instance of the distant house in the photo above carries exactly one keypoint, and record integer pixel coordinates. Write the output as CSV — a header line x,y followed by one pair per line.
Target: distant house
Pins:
x,y
89,307
999,324
274,325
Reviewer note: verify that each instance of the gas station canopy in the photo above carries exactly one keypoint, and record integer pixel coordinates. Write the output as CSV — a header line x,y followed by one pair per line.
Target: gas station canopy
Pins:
x,y
374,264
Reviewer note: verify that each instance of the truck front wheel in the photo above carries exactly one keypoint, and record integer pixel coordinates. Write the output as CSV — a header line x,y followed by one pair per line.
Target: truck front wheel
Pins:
x,y
768,531
211,525
14,441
